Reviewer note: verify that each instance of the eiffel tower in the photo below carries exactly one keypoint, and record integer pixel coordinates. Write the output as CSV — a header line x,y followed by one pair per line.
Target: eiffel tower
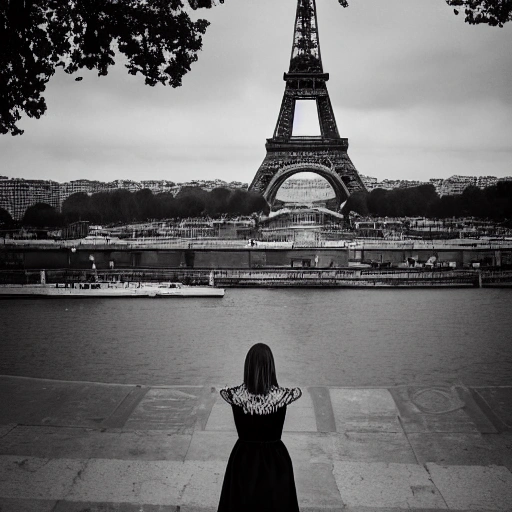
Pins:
x,y
325,154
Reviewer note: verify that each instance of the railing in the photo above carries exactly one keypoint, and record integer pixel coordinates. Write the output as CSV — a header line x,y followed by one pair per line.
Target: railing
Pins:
x,y
429,244
273,277
213,243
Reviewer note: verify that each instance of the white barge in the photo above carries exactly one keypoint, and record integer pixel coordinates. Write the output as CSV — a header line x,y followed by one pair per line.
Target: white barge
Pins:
x,y
181,290
107,289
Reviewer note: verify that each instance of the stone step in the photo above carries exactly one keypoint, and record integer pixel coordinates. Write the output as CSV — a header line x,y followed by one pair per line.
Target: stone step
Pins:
x,y
196,485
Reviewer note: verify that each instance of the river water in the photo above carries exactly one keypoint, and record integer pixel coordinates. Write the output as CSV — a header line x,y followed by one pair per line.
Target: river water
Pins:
x,y
329,337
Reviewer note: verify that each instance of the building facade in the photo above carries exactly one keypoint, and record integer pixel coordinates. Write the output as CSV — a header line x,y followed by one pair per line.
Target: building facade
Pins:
x,y
16,195
85,186
444,187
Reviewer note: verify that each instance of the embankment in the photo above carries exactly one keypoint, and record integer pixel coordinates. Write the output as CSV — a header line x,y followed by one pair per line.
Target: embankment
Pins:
x,y
226,254
280,277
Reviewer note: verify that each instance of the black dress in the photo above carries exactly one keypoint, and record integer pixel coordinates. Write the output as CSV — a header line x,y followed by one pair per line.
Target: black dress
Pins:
x,y
259,474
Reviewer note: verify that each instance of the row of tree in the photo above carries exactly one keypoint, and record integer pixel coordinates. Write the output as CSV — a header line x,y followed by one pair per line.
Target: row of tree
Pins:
x,y
124,206
493,203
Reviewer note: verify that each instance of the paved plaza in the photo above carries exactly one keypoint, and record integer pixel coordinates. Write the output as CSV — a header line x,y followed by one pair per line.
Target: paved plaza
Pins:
x,y
77,447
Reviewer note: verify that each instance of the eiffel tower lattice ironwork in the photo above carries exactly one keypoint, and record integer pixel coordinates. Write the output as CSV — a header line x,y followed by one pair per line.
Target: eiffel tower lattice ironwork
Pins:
x,y
325,154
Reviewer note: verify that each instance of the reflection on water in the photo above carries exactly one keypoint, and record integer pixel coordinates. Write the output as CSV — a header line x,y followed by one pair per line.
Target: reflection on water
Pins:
x,y
319,337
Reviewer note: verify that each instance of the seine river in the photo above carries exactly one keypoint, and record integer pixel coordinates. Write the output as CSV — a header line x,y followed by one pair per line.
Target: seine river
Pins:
x,y
331,337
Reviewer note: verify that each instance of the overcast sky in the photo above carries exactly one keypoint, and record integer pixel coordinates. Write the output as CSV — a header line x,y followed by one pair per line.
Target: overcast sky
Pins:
x,y
418,93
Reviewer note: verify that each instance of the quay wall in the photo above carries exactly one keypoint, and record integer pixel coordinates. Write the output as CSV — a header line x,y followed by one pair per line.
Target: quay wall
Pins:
x,y
348,277
32,257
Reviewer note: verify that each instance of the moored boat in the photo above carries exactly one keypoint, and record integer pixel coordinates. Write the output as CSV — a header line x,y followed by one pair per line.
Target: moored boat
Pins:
x,y
94,289
182,290
107,289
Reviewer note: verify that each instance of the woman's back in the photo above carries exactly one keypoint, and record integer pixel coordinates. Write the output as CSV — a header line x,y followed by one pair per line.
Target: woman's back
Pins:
x,y
253,427
259,476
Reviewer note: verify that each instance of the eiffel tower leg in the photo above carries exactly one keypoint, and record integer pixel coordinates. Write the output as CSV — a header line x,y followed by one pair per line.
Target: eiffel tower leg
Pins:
x,y
328,126
265,173
284,126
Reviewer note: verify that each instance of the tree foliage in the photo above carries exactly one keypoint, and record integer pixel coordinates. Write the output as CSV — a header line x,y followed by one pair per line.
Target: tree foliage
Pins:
x,y
125,206
357,202
490,12
42,215
158,38
5,218
494,203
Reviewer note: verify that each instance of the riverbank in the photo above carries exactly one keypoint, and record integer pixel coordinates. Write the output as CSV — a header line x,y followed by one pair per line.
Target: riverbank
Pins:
x,y
350,277
217,254
75,446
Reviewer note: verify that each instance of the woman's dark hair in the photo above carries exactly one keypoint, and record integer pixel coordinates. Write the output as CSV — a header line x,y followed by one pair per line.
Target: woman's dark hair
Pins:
x,y
259,370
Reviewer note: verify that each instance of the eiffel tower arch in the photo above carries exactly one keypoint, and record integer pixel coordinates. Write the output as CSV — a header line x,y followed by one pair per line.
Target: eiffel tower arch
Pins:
x,y
326,154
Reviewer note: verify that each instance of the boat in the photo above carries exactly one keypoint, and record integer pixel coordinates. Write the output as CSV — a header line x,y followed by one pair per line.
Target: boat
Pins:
x,y
94,289
107,289
182,290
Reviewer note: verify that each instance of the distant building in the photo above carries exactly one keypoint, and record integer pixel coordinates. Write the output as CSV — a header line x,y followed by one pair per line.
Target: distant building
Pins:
x,y
158,186
16,194
305,191
241,228
85,186
369,182
457,184
303,225
132,186
450,186
238,184
209,185
486,181
437,182
75,230
372,183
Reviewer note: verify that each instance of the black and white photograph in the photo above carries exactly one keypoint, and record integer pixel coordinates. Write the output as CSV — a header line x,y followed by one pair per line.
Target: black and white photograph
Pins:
x,y
255,256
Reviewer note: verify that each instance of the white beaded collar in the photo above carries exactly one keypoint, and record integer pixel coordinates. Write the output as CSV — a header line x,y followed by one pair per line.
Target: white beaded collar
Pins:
x,y
276,398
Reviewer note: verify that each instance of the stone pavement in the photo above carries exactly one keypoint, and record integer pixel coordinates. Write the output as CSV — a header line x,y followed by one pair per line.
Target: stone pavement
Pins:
x,y
77,447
